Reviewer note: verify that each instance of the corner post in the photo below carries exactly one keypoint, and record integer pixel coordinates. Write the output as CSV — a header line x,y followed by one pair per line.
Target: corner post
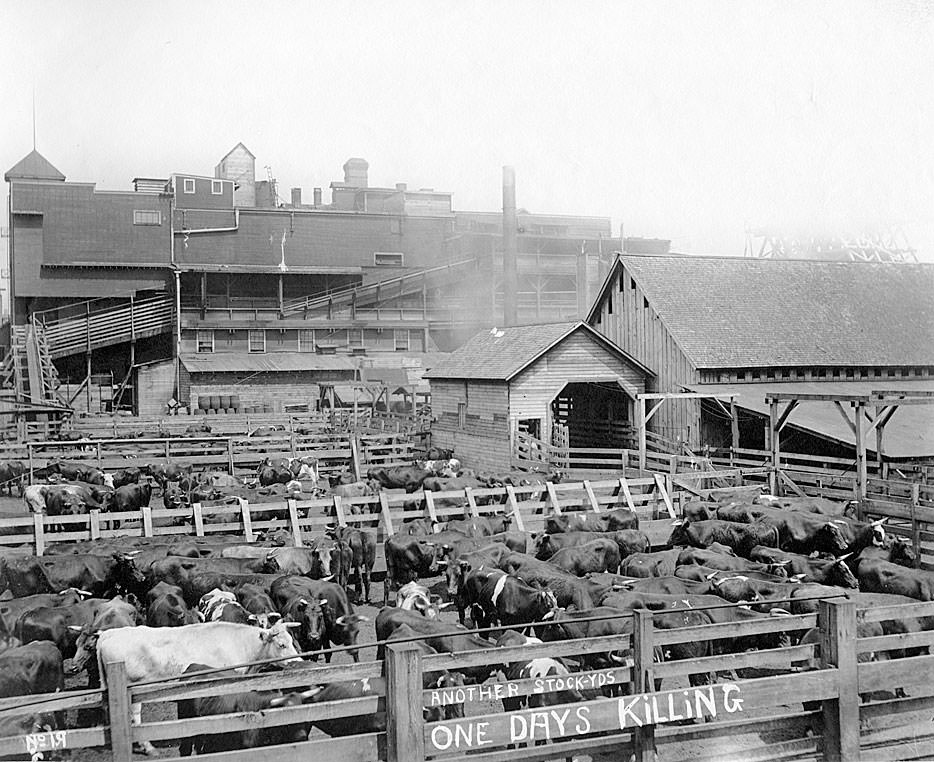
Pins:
x,y
838,649
405,740
643,656
775,447
118,706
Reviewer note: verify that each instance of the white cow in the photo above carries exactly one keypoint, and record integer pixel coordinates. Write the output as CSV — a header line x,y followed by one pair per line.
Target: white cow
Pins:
x,y
34,497
160,653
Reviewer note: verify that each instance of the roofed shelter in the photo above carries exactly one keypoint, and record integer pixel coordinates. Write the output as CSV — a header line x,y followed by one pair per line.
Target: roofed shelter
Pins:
x,y
753,327
532,378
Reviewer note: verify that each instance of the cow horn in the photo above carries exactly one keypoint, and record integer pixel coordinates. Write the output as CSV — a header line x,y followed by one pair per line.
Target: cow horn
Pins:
x,y
711,576
879,522
273,616
323,601
677,522
362,618
302,602
797,577
620,659
311,692
328,578
443,562
779,612
844,556
74,627
291,625
341,621
278,701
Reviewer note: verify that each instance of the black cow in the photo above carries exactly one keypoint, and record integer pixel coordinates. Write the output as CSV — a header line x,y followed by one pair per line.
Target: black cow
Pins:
x,y
167,608
362,546
610,521
568,589
595,556
658,564
566,626
407,560
32,668
740,537
12,472
165,472
824,571
628,541
257,602
53,623
98,575
877,575
721,562
13,608
131,497
233,703
510,601
409,478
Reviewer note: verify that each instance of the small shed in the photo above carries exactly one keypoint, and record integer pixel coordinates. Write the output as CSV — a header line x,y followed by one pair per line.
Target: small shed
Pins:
x,y
535,379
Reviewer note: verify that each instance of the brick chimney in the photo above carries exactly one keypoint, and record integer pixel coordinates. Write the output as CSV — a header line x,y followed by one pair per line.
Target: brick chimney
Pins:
x,y
317,197
296,196
355,172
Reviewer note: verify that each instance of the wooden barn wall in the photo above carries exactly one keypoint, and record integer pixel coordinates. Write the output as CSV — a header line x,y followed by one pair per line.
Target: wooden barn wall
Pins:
x,y
578,358
627,318
483,441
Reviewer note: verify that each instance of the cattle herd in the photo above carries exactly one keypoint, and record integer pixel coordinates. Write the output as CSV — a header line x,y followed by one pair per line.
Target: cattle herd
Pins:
x,y
172,605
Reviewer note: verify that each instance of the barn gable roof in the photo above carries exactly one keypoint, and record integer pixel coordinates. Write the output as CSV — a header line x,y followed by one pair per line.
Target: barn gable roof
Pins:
x,y
730,312
502,353
33,166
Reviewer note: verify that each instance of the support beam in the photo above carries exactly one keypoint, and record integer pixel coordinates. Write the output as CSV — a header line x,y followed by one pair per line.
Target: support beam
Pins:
x,y
774,447
860,451
785,415
734,425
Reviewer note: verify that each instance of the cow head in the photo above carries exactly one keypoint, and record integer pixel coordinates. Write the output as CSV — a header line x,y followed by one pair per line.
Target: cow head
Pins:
x,y
901,553
326,558
679,533
310,616
348,626
736,589
127,575
878,532
557,524
544,548
173,498
455,572
547,605
85,648
72,504
414,597
832,536
841,575
277,642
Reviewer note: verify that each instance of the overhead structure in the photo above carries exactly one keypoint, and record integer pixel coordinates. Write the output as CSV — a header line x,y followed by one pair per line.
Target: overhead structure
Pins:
x,y
890,246
863,413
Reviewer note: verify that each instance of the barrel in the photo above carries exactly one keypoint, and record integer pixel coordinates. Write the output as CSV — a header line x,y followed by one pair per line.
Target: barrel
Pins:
x,y
215,402
198,411
229,411
211,411
224,401
234,401
204,402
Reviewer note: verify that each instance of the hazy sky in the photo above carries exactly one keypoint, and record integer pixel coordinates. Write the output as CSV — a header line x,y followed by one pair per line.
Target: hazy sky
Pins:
x,y
688,121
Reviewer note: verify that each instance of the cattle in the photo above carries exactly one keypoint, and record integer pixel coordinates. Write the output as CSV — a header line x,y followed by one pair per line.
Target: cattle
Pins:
x,y
32,668
470,591
538,669
676,585
351,491
699,510
237,703
115,613
409,478
658,564
362,546
98,575
707,575
407,560
877,575
738,536
608,621
269,474
165,472
568,589
79,472
126,476
131,497
818,505
416,528
331,559
157,653
508,600
595,556
442,636
304,468
34,497
257,602
721,562
289,560
341,624
177,570
65,500
415,597
457,568
199,583
54,623
825,571
742,589
374,722
628,541
13,608
480,526
296,603
172,498
609,521
222,606
12,473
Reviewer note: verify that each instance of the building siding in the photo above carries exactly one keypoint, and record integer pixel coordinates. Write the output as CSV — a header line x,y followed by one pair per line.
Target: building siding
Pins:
x,y
580,358
635,327
483,441
155,385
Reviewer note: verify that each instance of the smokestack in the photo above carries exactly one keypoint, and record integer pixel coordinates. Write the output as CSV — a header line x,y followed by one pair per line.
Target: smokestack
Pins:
x,y
296,196
317,197
510,248
583,284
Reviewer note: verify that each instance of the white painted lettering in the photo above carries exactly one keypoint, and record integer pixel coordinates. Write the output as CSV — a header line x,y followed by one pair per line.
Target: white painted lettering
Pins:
x,y
583,720
560,719
482,739
707,699
512,689
463,735
518,728
672,715
734,704
435,698
624,709
441,738
539,719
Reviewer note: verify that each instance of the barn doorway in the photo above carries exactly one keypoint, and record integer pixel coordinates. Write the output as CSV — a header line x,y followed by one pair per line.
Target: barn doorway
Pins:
x,y
595,414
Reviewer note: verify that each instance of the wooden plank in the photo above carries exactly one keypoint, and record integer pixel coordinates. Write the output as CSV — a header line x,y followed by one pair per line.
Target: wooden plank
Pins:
x,y
339,511
471,502
624,486
385,513
39,532
553,498
642,680
838,649
246,519
513,505
24,747
147,520
405,740
295,525
199,519
429,499
118,704
356,748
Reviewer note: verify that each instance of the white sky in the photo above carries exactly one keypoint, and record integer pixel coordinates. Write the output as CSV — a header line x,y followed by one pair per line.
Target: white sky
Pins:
x,y
687,120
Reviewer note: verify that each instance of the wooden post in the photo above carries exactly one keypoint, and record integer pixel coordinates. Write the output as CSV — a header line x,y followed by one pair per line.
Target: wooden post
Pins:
x,y
147,520
32,465
624,486
199,519
405,738
94,523
38,524
553,498
98,453
837,621
643,656
858,410
624,460
429,499
230,455
355,456
118,707
471,502
774,447
591,497
293,521
514,507
640,424
384,510
734,428
915,524
247,519
339,511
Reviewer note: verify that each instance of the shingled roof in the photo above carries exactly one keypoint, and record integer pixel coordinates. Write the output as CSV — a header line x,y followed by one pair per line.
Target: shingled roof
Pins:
x,y
501,353
33,166
728,312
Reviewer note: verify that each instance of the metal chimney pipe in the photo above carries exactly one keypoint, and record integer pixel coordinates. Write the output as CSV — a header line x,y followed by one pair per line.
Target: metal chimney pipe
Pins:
x,y
510,248
317,197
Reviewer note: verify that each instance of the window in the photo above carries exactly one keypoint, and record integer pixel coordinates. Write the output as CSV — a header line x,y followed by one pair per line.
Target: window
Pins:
x,y
401,338
147,217
387,258
462,415
355,337
609,304
306,340
258,341
205,341
188,185
217,187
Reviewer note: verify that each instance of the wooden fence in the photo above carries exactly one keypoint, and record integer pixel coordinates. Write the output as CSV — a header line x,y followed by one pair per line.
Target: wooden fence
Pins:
x,y
819,699
652,499
238,455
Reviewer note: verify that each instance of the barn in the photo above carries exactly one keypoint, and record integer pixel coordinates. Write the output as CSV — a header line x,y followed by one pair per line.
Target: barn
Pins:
x,y
532,378
749,328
